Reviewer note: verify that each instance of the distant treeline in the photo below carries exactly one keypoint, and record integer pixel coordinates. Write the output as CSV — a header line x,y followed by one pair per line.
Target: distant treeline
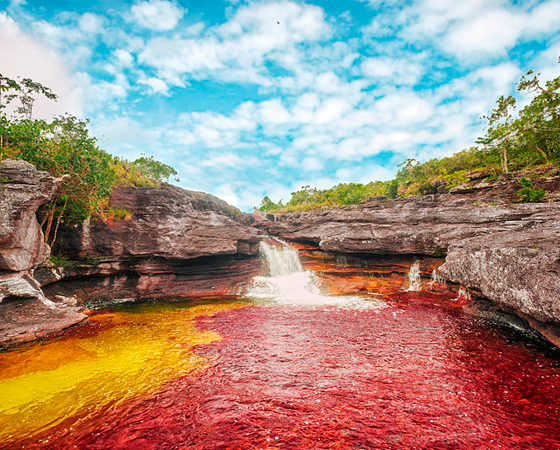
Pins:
x,y
514,140
64,148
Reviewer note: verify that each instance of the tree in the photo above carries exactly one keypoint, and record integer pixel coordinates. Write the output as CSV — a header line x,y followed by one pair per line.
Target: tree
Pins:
x,y
28,91
157,170
539,121
501,128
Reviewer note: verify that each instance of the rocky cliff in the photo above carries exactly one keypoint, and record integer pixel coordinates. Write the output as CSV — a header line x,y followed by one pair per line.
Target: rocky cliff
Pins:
x,y
506,252
25,313
171,242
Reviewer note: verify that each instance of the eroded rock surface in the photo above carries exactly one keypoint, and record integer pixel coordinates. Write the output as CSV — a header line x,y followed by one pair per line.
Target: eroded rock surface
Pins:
x,y
508,253
25,312
167,222
419,225
22,191
175,242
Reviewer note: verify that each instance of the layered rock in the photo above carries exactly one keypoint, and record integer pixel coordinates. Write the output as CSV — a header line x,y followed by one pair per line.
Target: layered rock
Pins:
x,y
168,223
22,191
518,270
175,242
425,225
508,253
25,313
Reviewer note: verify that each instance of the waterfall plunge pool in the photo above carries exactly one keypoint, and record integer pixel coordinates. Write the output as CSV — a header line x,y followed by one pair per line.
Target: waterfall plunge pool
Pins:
x,y
292,365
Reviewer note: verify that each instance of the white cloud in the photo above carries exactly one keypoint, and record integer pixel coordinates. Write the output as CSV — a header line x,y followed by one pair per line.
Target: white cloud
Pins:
x,y
238,49
157,86
41,63
490,34
157,15
392,70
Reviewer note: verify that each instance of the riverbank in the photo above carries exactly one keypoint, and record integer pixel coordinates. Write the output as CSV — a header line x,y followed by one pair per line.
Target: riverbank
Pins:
x,y
184,243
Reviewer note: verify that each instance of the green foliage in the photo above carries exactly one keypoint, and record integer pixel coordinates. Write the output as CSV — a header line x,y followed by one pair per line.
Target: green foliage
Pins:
x,y
61,261
527,194
392,189
153,169
513,140
491,178
91,261
64,148
119,213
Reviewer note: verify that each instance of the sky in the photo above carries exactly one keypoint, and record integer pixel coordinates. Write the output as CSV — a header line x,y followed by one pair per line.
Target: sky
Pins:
x,y
254,98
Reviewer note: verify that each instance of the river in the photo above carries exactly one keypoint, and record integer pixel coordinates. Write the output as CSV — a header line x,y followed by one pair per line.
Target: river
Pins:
x,y
293,363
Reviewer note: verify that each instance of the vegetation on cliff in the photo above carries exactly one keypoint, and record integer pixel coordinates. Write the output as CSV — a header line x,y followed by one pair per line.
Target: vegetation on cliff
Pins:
x,y
64,148
514,140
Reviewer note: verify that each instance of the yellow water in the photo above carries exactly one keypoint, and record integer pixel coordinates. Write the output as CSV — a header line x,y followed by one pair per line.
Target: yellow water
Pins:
x,y
137,350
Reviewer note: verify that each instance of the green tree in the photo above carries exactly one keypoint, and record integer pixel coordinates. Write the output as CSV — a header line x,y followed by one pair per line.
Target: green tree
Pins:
x,y
156,170
502,129
28,91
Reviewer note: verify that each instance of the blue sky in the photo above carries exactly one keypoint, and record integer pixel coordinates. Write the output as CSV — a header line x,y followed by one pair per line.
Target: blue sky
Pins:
x,y
254,98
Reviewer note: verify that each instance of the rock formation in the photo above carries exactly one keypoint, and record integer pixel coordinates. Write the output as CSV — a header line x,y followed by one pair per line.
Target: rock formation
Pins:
x,y
508,253
175,242
25,313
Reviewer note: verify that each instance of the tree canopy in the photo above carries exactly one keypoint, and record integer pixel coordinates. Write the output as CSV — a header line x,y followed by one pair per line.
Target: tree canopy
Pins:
x,y
65,148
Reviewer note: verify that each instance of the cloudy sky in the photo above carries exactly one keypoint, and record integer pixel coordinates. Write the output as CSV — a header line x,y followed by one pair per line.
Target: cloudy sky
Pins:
x,y
254,98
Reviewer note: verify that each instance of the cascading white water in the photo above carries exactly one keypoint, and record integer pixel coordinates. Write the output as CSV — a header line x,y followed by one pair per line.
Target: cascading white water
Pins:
x,y
463,294
437,278
288,283
414,277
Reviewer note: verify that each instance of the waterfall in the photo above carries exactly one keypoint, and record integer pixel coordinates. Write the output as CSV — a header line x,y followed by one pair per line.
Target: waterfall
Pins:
x,y
414,277
436,278
463,294
288,283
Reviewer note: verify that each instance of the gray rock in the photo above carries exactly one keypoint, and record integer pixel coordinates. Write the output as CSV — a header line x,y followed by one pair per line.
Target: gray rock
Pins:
x,y
519,270
23,190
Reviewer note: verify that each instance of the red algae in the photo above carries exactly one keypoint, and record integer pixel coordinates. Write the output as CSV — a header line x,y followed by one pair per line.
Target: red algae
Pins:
x,y
417,374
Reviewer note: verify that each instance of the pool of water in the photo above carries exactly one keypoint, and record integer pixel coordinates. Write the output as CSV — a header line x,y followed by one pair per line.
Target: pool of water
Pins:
x,y
409,370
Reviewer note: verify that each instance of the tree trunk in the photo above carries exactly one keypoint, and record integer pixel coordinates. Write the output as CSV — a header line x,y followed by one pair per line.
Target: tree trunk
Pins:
x,y
542,152
58,223
504,160
49,223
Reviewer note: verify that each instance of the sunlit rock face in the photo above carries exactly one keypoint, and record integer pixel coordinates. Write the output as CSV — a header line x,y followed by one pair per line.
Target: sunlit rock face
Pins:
x,y
420,225
167,222
519,270
176,242
25,313
23,190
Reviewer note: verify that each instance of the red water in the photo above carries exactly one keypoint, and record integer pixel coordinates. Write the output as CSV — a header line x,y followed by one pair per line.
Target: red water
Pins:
x,y
415,375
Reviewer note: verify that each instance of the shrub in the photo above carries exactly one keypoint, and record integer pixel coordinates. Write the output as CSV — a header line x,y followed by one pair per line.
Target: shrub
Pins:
x,y
527,194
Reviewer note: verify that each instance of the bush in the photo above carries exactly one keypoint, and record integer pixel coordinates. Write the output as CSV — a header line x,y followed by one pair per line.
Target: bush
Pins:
x,y
527,194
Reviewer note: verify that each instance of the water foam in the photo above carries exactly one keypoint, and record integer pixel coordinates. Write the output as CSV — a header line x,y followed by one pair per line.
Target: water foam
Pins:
x,y
414,277
288,284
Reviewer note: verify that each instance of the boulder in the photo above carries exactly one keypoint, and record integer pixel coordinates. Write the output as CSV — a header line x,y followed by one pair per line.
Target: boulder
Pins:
x,y
22,190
